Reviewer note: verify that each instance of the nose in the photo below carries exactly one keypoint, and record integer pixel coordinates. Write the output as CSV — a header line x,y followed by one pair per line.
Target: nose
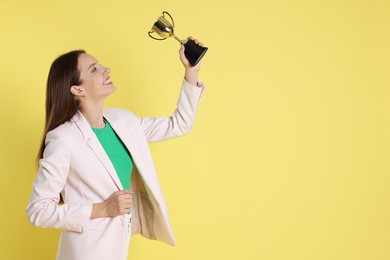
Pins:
x,y
105,69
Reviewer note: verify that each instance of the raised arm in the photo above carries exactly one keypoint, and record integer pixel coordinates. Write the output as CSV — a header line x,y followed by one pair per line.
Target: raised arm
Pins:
x,y
182,119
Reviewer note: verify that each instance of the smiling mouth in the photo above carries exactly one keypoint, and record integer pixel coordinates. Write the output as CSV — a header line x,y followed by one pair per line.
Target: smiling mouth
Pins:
x,y
107,82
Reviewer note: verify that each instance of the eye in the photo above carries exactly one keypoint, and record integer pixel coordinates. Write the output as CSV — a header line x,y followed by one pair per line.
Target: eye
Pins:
x,y
93,69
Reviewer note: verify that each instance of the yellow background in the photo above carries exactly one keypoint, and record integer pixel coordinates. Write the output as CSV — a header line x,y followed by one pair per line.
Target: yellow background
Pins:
x,y
289,155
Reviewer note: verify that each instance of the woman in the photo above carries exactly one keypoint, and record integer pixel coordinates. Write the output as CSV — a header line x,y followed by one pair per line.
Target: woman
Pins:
x,y
96,179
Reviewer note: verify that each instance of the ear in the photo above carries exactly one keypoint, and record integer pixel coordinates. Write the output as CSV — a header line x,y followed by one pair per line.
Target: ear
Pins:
x,y
77,91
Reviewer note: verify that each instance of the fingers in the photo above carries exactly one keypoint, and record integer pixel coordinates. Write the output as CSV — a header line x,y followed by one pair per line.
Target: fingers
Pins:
x,y
123,194
196,41
184,59
119,203
125,198
181,50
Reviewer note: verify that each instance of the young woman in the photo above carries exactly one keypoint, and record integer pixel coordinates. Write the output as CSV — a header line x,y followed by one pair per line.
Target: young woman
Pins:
x,y
96,179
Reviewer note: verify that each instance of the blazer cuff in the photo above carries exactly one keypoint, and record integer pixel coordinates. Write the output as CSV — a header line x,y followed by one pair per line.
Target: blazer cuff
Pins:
x,y
79,222
195,89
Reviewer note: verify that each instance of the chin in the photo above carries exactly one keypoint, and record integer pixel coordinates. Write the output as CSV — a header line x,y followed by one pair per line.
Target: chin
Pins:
x,y
112,89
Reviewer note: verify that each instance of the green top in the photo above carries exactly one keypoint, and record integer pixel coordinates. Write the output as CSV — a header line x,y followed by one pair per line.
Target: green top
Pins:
x,y
117,152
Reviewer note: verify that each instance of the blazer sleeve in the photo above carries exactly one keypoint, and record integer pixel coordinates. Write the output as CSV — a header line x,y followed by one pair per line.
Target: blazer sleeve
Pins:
x,y
182,119
43,209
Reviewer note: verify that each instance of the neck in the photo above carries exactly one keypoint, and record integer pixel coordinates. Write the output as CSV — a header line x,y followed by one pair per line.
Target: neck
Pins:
x,y
93,113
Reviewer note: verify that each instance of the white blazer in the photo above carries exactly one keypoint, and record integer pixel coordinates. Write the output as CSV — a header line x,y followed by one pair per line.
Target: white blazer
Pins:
x,y
75,164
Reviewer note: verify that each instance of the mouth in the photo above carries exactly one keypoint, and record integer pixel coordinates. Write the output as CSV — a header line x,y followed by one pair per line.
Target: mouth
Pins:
x,y
107,81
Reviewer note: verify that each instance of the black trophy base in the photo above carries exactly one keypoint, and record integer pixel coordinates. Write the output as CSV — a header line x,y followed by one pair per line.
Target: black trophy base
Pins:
x,y
194,53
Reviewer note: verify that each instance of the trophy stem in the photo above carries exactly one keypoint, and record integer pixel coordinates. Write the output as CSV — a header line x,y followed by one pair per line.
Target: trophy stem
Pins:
x,y
180,41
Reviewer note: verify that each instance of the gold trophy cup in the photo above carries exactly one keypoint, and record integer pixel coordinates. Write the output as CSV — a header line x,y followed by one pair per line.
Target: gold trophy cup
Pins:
x,y
164,28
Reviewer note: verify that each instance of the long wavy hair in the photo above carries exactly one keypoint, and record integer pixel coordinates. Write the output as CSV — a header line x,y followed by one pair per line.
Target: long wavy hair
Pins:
x,y
61,105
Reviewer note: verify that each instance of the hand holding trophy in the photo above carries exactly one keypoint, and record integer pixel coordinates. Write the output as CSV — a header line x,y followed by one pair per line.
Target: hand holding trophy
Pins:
x,y
164,29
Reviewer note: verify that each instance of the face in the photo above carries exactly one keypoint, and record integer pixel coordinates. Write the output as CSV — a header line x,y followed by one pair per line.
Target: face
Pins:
x,y
96,83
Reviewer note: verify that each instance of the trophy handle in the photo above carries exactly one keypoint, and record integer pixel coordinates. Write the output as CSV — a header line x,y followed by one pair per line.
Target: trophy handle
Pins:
x,y
150,35
173,23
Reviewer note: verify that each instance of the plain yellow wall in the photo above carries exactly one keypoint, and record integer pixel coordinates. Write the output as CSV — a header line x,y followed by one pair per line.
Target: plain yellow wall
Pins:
x,y
289,155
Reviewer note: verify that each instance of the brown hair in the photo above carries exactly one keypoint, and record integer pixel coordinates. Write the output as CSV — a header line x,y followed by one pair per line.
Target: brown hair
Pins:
x,y
61,105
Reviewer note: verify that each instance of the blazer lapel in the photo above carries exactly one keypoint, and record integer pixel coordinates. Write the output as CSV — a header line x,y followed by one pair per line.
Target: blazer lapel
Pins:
x,y
126,133
92,141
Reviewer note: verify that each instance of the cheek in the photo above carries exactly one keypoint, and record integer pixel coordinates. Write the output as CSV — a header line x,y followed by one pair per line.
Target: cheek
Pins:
x,y
92,83
97,81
